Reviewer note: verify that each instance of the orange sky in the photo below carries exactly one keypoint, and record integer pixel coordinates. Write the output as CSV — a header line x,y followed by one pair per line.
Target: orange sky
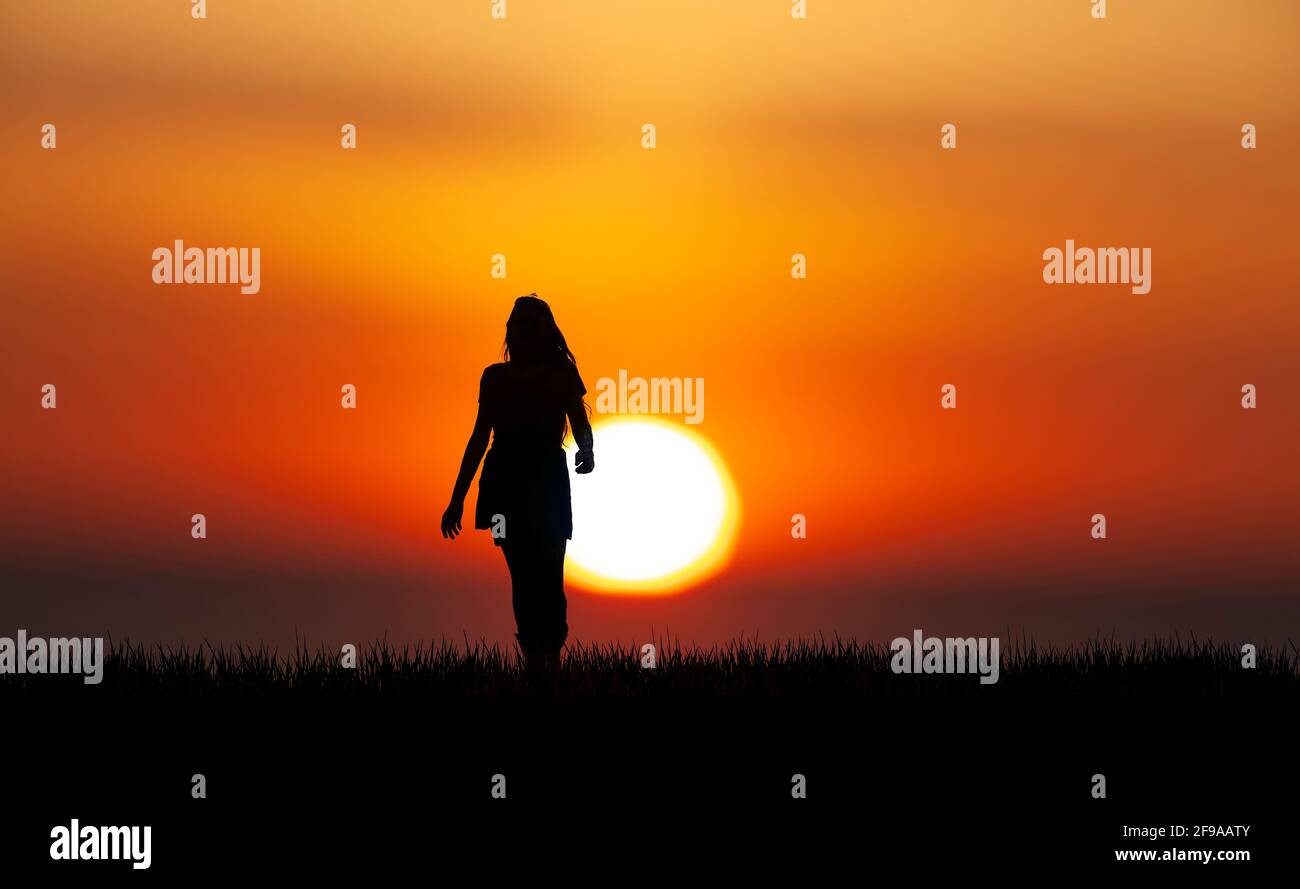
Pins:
x,y
775,136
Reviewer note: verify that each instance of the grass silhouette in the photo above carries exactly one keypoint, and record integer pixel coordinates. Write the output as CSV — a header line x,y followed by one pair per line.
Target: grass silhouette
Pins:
x,y
797,668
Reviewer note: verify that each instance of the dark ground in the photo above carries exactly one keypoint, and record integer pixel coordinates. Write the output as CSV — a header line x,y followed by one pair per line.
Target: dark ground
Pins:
x,y
667,772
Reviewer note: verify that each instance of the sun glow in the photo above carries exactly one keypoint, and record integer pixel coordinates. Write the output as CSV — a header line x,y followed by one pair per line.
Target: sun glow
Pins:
x,y
658,513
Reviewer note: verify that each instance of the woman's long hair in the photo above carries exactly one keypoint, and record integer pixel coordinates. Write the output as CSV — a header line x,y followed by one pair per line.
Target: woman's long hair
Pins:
x,y
533,335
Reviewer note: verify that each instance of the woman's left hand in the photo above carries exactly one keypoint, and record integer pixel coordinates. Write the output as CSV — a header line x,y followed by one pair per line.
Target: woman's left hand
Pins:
x,y
451,520
584,462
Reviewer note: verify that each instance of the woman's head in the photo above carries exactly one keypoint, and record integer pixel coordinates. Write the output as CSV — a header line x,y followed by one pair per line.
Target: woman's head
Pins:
x,y
531,332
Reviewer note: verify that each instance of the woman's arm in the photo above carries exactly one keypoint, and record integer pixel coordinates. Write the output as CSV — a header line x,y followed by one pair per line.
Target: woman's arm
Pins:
x,y
585,461
474,450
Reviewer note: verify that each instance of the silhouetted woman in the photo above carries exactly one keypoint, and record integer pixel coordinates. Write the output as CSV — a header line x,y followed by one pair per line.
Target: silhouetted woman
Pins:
x,y
523,494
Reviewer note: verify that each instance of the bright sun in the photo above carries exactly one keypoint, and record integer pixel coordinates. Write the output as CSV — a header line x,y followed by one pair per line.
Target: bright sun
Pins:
x,y
658,513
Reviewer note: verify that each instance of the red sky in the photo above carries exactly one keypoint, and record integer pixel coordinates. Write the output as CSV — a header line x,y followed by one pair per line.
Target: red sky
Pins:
x,y
775,137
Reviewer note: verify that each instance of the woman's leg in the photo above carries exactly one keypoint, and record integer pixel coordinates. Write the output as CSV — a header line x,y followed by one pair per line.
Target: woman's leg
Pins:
x,y
518,562
537,593
553,607
537,581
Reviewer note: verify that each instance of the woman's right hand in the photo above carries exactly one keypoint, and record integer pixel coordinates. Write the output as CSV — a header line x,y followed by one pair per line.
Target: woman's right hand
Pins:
x,y
451,520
